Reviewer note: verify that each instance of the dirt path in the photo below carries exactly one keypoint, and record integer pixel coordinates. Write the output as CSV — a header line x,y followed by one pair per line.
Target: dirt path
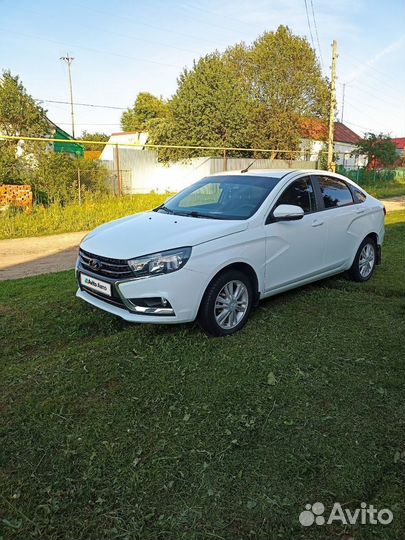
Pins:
x,y
394,203
23,257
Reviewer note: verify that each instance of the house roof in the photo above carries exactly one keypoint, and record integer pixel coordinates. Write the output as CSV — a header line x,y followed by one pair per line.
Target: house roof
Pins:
x,y
344,134
399,142
315,129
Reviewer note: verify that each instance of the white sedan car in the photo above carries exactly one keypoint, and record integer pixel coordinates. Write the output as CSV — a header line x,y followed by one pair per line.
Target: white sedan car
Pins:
x,y
215,249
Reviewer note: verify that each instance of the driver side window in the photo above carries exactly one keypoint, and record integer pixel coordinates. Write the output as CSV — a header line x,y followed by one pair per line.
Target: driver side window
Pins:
x,y
300,193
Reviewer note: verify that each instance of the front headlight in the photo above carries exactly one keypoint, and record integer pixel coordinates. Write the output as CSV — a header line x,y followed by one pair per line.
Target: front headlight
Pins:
x,y
160,263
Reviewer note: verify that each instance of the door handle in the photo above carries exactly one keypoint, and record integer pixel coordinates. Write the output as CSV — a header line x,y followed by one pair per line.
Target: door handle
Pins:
x,y
359,210
317,223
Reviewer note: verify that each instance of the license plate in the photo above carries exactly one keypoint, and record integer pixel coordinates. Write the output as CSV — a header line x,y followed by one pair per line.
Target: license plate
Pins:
x,y
95,284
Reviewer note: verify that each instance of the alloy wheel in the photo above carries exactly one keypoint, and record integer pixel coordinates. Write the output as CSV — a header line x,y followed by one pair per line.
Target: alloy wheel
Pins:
x,y
366,260
231,304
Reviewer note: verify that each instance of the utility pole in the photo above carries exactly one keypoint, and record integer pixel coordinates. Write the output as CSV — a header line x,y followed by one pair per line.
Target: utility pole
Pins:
x,y
332,111
68,60
343,102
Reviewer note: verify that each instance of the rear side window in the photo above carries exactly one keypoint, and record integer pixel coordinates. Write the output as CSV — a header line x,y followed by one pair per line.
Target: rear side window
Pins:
x,y
359,196
334,192
300,193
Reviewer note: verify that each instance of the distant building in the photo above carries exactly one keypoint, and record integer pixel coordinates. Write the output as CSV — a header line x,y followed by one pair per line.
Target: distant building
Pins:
x,y
314,136
122,138
59,134
400,146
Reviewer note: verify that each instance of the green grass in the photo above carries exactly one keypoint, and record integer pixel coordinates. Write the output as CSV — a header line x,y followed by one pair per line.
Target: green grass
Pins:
x,y
117,431
385,189
75,217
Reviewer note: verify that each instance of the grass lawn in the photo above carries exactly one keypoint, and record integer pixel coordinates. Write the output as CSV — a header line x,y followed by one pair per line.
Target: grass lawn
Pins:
x,y
118,431
75,217
384,189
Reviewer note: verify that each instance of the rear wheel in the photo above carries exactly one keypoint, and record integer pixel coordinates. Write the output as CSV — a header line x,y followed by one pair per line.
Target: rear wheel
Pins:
x,y
364,262
226,304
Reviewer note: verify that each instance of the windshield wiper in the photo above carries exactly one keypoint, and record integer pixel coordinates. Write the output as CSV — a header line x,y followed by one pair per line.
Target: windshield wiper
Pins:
x,y
199,215
164,208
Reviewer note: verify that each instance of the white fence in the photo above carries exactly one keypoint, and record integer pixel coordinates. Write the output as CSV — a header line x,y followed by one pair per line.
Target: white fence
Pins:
x,y
141,172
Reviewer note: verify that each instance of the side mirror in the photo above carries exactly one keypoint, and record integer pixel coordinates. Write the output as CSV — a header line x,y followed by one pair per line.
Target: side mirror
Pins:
x,y
288,212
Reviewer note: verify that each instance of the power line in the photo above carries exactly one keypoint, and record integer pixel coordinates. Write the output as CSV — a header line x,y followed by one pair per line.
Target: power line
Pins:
x,y
309,25
91,49
361,127
141,23
353,60
88,123
82,104
316,33
376,98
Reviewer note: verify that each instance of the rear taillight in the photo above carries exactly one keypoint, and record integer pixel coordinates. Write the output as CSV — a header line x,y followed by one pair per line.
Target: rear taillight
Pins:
x,y
385,211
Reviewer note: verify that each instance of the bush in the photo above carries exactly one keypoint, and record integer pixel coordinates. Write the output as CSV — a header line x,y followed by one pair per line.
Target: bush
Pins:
x,y
57,175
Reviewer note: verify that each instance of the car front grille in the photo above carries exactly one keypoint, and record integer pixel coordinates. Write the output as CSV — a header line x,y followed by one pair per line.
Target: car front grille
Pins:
x,y
114,300
104,266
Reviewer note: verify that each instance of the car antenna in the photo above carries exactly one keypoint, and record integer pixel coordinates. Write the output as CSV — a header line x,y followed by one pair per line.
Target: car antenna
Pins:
x,y
248,167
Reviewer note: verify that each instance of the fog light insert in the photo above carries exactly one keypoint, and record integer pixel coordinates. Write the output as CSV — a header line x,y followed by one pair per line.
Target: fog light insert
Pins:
x,y
155,305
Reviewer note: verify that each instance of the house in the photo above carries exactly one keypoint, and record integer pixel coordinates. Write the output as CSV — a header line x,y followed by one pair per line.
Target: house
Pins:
x,y
122,138
57,133
314,135
400,146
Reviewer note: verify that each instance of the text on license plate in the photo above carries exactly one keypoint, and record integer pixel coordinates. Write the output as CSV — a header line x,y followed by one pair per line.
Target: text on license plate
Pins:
x,y
95,284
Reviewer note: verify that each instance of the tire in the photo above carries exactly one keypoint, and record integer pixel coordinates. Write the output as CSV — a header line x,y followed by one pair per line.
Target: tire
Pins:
x,y
365,261
231,287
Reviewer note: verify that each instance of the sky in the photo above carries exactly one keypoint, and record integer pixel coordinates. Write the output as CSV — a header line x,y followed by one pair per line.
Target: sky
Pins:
x,y
123,47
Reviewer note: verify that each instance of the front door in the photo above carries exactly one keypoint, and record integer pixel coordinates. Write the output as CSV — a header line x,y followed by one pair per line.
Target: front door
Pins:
x,y
295,250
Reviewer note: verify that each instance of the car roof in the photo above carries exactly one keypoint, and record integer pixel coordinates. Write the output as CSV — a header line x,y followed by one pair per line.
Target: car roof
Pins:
x,y
274,173
281,173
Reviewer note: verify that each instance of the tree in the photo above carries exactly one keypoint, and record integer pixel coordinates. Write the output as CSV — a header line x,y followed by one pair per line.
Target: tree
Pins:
x,y
97,136
211,107
379,149
287,85
147,108
19,116
249,96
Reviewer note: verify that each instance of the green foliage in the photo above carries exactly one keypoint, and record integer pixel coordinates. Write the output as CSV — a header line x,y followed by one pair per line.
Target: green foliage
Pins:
x,y
379,149
12,168
287,85
247,97
57,175
97,136
19,116
210,108
147,109
95,210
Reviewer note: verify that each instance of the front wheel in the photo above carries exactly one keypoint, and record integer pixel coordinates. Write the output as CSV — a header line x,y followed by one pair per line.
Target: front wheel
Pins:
x,y
226,304
364,262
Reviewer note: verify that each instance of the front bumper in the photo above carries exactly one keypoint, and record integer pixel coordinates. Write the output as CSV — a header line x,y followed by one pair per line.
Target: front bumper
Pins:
x,y
182,289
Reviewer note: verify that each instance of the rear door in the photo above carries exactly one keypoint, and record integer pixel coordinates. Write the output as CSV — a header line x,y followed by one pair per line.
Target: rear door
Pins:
x,y
295,249
338,213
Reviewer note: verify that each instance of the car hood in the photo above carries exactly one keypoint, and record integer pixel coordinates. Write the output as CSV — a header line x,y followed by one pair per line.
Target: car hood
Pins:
x,y
152,232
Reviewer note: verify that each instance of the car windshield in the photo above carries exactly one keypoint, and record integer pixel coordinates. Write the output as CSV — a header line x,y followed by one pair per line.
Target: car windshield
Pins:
x,y
221,197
